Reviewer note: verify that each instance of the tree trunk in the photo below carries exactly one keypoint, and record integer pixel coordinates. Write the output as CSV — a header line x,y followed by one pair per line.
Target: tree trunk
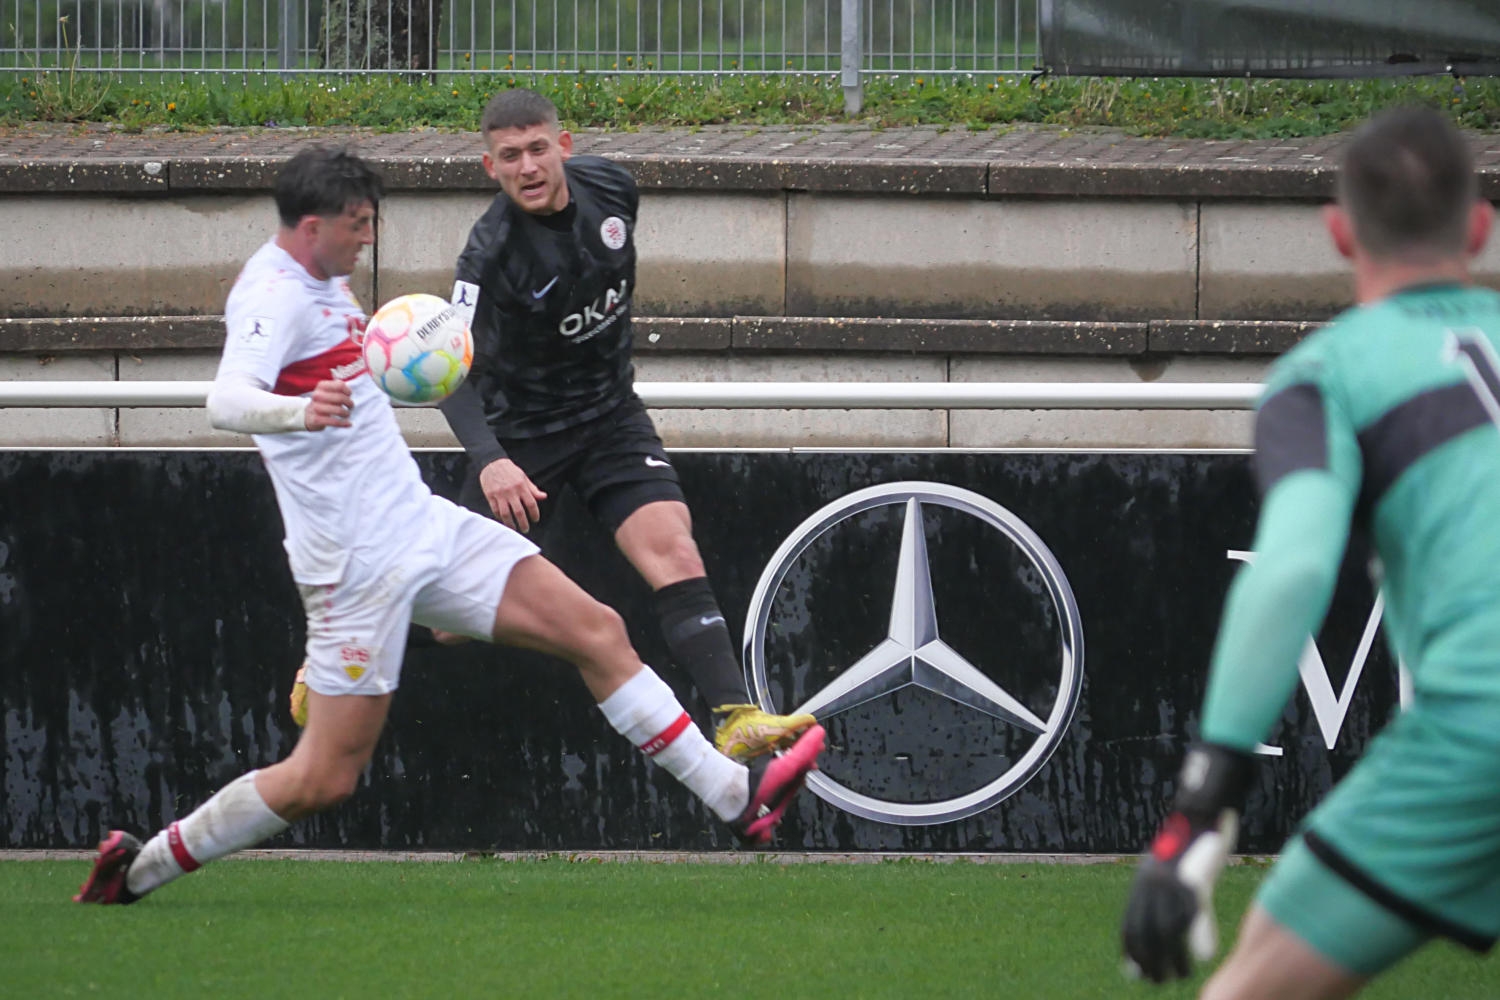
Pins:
x,y
380,34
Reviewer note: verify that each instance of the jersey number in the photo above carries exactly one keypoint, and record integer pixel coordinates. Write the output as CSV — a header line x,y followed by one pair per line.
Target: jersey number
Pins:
x,y
1471,349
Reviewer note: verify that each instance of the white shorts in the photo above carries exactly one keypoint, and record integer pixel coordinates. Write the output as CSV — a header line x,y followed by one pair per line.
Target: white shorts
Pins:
x,y
450,576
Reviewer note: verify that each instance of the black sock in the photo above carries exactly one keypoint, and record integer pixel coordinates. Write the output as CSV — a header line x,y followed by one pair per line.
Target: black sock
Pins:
x,y
699,640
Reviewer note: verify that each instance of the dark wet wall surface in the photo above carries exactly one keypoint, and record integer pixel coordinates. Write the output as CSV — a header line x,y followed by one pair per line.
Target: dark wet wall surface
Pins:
x,y
149,630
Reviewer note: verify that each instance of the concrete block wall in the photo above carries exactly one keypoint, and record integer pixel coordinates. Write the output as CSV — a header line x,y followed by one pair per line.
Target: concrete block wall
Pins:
x,y
1085,259
1275,261
699,255
736,254
78,428
764,270
792,254
97,255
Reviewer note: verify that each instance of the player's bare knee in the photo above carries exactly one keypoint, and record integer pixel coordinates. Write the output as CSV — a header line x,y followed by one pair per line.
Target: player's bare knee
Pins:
x,y
312,786
680,555
599,644
601,632
332,788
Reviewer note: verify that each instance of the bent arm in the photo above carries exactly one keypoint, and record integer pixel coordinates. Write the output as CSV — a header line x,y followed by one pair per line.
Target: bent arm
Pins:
x,y
240,402
464,411
1308,467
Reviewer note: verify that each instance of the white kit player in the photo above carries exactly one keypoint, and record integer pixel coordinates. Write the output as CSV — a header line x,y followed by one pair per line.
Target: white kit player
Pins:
x,y
292,376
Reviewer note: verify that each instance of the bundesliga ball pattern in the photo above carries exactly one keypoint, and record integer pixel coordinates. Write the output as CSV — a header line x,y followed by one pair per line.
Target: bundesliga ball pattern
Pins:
x,y
418,349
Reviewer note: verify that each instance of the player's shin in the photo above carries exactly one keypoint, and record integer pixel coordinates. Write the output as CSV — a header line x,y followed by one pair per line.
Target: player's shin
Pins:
x,y
234,819
646,712
1169,919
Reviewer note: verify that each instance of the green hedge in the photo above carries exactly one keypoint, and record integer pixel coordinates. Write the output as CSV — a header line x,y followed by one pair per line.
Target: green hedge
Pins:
x,y
1191,108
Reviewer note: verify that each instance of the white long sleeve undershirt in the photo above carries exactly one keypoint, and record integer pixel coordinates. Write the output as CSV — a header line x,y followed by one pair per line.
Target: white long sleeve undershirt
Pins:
x,y
240,402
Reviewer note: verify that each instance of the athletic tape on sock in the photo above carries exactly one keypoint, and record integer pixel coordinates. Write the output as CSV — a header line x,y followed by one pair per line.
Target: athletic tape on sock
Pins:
x,y
663,739
641,707
180,854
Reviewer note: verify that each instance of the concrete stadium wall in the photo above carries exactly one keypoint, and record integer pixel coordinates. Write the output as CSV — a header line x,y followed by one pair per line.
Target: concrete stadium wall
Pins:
x,y
737,254
736,282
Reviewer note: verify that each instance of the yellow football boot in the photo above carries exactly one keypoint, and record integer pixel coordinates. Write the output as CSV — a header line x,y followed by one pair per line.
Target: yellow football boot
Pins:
x,y
299,696
744,732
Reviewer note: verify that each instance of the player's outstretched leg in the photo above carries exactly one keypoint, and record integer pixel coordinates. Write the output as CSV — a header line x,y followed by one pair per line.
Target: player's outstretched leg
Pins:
x,y
323,770
746,732
543,609
657,538
234,818
774,782
107,882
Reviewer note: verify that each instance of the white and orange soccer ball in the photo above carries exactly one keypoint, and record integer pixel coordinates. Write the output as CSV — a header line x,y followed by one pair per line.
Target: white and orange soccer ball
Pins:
x,y
418,349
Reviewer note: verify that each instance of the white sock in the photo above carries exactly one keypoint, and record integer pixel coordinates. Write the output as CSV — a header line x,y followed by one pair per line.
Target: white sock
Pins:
x,y
646,712
234,819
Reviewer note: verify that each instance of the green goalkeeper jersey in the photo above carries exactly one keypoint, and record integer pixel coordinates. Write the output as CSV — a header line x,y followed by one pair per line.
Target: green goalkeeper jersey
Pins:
x,y
1385,421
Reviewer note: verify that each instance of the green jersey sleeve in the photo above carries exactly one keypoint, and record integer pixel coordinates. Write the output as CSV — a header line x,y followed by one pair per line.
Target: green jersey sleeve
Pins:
x,y
1308,469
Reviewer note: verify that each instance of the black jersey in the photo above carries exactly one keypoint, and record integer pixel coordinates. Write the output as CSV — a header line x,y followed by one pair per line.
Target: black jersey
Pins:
x,y
551,325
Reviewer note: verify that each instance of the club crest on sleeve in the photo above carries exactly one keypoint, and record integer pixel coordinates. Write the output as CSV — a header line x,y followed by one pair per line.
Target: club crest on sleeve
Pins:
x,y
612,231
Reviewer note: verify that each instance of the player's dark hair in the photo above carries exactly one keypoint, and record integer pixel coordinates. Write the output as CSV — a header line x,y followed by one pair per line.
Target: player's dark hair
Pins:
x,y
1408,183
324,180
518,108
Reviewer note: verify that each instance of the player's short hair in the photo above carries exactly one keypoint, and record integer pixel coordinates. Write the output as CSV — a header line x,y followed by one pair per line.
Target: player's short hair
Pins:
x,y
519,108
1408,184
324,180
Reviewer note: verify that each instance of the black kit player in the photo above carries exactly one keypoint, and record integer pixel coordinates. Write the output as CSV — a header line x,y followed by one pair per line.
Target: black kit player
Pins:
x,y
549,274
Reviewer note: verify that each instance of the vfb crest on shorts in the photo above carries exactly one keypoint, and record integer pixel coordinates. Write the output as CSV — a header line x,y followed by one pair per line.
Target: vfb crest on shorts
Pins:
x,y
936,637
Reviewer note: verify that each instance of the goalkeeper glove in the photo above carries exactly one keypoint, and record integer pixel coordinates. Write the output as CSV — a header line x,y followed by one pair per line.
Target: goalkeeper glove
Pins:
x,y
1170,912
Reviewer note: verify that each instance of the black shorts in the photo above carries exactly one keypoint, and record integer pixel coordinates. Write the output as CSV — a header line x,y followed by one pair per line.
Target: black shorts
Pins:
x,y
615,463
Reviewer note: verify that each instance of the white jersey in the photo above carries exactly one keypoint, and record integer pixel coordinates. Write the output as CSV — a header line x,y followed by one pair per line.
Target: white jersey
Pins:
x,y
341,488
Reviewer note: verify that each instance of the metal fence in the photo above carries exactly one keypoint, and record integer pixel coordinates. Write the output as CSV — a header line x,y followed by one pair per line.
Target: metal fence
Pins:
x,y
850,37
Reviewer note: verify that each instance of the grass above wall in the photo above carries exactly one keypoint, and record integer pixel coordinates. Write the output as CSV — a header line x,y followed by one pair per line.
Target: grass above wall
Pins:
x,y
1196,108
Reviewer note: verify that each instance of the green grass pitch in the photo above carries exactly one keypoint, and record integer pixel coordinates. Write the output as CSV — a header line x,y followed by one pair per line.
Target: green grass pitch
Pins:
x,y
556,928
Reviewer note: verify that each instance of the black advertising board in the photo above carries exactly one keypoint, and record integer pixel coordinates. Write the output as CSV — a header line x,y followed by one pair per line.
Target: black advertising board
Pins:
x,y
1008,650
1278,38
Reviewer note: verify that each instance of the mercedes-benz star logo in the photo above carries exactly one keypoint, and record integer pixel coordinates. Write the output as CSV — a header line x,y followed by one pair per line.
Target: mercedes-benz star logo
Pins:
x,y
913,655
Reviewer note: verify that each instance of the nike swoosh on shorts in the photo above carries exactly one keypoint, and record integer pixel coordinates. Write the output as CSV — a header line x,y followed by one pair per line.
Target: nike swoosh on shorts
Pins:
x,y
545,288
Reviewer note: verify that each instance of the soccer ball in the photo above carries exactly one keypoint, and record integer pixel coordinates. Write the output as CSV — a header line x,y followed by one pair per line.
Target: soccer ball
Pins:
x,y
418,349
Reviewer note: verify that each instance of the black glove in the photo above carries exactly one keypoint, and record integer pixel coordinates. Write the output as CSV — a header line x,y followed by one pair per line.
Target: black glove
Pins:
x,y
1170,913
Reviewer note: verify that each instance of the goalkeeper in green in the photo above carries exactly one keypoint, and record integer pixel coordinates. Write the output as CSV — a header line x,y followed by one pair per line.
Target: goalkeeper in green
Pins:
x,y
1386,422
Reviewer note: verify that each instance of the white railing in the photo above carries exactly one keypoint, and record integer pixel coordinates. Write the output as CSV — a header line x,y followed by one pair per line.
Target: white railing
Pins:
x,y
753,395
